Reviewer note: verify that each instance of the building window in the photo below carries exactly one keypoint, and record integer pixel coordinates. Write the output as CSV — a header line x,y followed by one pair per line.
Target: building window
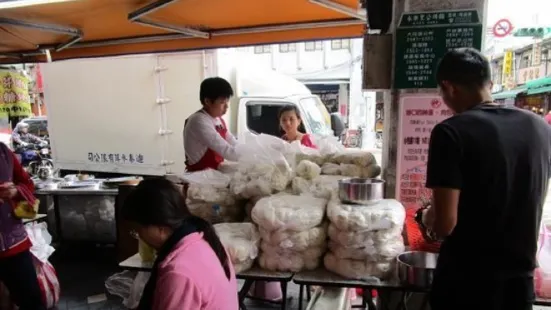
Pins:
x,y
525,62
263,49
244,49
340,44
287,48
313,46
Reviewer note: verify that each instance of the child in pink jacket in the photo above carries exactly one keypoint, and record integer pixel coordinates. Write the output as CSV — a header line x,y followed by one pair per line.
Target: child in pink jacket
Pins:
x,y
192,270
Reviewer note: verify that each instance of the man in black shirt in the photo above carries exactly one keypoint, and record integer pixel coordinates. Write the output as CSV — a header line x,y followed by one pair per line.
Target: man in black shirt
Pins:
x,y
488,168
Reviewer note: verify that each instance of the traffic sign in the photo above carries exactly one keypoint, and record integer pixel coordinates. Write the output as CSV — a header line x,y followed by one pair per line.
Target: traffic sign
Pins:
x,y
502,28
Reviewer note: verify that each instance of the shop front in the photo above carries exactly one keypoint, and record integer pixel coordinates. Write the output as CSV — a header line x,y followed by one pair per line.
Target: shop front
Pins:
x,y
538,93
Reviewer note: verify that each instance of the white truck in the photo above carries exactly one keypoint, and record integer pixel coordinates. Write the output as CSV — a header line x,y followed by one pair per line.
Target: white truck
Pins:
x,y
126,115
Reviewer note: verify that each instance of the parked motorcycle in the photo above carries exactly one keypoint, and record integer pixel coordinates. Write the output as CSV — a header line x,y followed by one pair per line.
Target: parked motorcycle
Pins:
x,y
37,159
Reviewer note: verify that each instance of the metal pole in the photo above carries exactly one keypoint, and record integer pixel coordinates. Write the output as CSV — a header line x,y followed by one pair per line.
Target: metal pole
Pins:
x,y
150,8
340,8
45,27
183,30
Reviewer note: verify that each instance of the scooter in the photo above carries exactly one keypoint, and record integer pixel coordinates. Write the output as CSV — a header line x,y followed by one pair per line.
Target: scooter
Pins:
x,y
36,159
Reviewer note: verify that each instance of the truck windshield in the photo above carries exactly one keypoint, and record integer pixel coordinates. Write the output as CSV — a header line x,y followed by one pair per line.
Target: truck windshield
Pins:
x,y
316,116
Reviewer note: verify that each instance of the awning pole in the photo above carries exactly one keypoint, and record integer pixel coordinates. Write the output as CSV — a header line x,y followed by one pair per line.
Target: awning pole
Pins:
x,y
340,8
45,27
183,30
150,8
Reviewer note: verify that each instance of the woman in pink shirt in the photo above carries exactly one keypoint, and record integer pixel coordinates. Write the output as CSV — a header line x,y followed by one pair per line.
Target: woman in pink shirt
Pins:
x,y
290,121
192,270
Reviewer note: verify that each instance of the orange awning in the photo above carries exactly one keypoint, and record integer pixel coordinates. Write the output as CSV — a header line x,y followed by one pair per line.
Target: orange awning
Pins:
x,y
91,28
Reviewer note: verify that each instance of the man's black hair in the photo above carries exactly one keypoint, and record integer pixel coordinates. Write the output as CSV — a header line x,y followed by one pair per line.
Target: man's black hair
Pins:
x,y
464,66
214,88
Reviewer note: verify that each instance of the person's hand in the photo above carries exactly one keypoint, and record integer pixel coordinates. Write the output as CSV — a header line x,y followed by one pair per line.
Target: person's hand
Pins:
x,y
428,217
7,191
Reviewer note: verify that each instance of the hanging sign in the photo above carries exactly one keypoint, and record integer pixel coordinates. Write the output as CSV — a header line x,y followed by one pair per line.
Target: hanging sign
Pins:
x,y
418,115
14,95
423,38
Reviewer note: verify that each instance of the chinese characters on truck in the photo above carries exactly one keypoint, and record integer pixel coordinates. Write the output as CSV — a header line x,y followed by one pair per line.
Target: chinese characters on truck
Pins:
x,y
115,158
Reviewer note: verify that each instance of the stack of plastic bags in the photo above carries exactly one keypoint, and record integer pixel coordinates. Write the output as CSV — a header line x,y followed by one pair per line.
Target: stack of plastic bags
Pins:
x,y
364,240
241,241
293,237
209,197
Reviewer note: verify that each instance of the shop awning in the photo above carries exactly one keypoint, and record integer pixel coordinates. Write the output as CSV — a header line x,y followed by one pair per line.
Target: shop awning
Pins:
x,y
540,90
92,28
545,81
508,94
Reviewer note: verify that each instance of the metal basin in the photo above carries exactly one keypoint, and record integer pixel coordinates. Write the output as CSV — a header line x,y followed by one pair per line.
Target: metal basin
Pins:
x,y
361,191
417,268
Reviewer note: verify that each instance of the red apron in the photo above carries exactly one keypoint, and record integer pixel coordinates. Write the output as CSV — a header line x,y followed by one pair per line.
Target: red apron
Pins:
x,y
210,159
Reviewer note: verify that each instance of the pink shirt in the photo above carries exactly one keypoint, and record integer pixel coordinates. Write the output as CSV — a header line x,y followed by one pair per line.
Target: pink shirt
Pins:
x,y
191,277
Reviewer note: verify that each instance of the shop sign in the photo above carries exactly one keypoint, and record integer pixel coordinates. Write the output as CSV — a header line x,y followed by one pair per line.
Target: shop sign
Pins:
x,y
418,115
423,38
530,73
507,64
14,95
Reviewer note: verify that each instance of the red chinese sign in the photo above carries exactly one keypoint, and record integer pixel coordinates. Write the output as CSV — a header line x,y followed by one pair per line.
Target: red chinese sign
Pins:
x,y
418,115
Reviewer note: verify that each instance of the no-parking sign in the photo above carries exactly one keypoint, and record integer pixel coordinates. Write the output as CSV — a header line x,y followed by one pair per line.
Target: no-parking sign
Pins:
x,y
502,28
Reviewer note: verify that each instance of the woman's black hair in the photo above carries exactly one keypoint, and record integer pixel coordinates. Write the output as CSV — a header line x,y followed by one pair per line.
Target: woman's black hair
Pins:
x,y
289,108
158,202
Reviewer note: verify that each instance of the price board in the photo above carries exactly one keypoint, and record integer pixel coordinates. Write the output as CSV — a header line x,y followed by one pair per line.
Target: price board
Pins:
x,y
423,38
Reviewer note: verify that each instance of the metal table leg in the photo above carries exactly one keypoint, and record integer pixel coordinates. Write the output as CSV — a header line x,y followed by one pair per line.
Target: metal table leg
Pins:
x,y
367,299
243,293
57,215
300,296
284,295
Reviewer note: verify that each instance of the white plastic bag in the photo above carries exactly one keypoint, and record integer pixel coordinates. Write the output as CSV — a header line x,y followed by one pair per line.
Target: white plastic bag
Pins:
x,y
308,170
136,290
295,240
385,214
324,186
289,212
331,169
41,240
241,241
277,259
210,194
358,269
381,252
128,285
354,157
327,144
208,177
217,213
261,172
357,238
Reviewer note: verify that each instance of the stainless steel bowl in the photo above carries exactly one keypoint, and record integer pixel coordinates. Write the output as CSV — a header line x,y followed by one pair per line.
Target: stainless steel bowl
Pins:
x,y
416,268
361,191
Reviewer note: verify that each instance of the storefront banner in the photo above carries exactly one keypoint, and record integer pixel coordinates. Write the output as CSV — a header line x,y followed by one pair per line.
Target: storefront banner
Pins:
x,y
14,95
419,113
531,73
